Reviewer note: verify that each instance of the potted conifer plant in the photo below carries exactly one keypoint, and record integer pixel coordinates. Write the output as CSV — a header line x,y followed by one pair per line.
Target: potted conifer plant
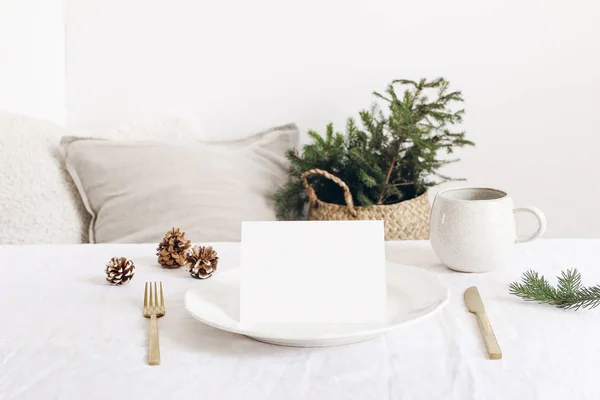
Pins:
x,y
382,168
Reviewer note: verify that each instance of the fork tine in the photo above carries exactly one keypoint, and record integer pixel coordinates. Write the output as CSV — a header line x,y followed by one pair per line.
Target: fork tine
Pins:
x,y
151,299
155,298
162,299
146,298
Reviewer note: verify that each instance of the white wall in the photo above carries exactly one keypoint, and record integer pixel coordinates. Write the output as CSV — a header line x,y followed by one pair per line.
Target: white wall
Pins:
x,y
529,70
32,58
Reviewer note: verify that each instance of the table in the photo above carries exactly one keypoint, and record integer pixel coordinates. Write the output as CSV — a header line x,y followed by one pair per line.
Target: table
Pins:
x,y
66,334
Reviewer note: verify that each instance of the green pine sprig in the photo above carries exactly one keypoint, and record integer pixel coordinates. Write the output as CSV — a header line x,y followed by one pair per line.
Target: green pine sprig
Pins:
x,y
568,294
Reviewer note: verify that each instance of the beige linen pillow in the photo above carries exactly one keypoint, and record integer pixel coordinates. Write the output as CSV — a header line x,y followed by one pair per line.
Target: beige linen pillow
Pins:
x,y
136,191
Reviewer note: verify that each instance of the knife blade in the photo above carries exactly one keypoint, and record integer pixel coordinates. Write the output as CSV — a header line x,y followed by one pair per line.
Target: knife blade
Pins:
x,y
474,303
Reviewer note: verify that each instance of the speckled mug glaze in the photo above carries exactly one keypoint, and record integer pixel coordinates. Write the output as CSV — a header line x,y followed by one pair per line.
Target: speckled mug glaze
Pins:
x,y
474,229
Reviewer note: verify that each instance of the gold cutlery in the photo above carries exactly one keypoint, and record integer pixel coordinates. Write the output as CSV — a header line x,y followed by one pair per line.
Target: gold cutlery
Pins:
x,y
153,308
475,305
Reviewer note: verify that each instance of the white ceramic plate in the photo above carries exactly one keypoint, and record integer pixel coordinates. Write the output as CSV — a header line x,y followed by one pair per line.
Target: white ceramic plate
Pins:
x,y
412,295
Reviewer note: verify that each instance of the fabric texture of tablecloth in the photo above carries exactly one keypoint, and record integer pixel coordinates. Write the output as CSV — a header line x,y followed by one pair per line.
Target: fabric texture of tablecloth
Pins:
x,y
66,334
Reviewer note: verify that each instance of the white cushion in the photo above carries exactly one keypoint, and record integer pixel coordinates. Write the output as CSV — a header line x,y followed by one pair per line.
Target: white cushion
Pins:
x,y
38,201
136,191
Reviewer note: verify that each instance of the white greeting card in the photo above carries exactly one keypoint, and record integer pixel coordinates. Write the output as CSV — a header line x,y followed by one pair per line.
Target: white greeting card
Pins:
x,y
313,271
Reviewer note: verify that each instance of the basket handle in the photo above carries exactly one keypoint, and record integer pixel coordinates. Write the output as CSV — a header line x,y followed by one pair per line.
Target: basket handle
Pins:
x,y
312,195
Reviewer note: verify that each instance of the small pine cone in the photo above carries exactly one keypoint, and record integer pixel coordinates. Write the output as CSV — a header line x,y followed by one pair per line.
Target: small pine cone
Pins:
x,y
119,270
201,261
171,251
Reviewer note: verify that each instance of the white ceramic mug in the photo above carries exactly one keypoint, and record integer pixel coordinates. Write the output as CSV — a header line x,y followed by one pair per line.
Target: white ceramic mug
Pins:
x,y
474,229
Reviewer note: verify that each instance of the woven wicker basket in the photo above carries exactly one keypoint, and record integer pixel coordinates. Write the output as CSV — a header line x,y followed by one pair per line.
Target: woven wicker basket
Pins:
x,y
407,220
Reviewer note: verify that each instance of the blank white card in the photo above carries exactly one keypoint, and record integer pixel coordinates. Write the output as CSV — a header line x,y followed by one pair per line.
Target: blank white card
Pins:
x,y
313,271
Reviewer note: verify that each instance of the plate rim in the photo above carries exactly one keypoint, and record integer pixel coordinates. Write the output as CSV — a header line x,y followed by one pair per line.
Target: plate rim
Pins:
x,y
372,331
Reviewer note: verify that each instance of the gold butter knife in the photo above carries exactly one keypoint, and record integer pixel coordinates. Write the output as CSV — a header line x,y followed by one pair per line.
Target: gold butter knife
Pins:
x,y
475,305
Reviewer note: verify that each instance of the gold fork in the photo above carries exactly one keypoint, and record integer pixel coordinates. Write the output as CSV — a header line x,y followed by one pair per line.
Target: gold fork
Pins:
x,y
153,310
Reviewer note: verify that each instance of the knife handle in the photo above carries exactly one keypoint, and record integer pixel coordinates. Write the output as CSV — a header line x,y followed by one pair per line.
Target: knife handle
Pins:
x,y
489,337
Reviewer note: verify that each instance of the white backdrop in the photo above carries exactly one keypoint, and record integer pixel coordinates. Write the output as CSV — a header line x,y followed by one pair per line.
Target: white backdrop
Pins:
x,y
32,58
529,71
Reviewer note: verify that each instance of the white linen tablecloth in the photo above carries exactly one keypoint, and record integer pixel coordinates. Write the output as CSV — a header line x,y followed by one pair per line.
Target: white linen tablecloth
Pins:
x,y
66,334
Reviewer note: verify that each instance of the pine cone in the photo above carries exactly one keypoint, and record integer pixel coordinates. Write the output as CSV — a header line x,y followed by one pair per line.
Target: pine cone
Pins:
x,y
119,271
201,261
171,251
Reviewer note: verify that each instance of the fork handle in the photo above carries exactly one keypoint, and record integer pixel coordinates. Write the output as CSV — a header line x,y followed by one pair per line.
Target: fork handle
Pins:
x,y
153,350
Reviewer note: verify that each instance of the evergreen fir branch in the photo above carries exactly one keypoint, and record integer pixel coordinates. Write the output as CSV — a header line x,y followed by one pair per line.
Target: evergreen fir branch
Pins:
x,y
437,82
316,137
569,283
569,293
405,82
290,201
367,180
382,97
329,140
390,158
363,199
361,161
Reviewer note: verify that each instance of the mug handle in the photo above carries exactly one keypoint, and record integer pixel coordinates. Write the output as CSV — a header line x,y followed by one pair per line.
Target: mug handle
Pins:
x,y
541,224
